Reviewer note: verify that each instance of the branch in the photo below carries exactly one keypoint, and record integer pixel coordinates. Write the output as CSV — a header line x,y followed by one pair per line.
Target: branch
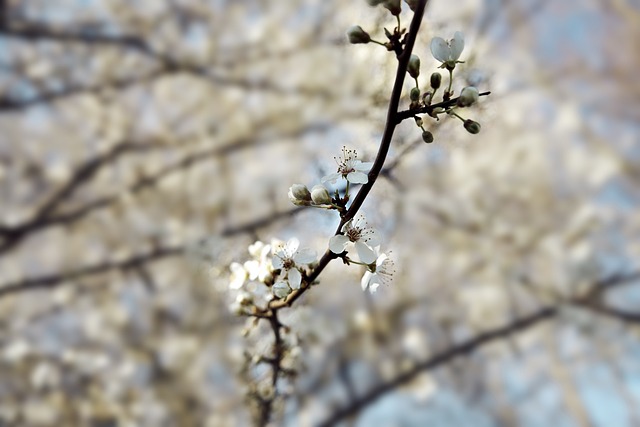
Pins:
x,y
54,280
462,349
387,136
466,347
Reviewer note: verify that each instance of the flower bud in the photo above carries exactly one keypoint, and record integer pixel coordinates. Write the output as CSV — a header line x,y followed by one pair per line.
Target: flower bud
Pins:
x,y
393,6
468,96
414,66
320,195
427,137
415,94
299,195
412,4
357,35
471,126
436,79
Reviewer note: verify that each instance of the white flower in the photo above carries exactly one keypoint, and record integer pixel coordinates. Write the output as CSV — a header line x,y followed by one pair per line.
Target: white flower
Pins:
x,y
364,238
287,257
349,168
260,267
381,273
239,275
448,51
281,289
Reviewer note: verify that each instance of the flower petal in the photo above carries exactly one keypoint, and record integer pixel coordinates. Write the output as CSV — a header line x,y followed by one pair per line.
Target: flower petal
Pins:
x,y
366,254
373,237
292,246
252,267
277,262
295,278
457,45
338,243
304,256
281,289
364,166
373,286
440,49
366,278
357,177
381,259
332,178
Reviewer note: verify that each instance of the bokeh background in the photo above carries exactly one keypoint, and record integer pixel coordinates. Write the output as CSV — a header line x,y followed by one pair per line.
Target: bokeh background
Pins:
x,y
145,144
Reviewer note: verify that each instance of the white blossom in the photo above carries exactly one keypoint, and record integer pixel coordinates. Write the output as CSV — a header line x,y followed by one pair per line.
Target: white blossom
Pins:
x,y
287,257
448,51
379,274
350,168
260,267
239,275
364,239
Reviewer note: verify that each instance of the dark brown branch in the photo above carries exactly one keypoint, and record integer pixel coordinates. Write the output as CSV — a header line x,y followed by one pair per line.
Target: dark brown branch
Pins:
x,y
428,109
387,136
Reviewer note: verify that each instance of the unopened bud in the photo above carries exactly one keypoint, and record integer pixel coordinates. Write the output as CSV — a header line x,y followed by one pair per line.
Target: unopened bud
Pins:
x,y
436,80
415,94
299,195
393,6
468,96
427,137
414,66
357,35
471,126
320,195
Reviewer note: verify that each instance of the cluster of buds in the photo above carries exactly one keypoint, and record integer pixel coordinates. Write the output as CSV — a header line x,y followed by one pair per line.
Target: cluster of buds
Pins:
x,y
319,196
448,53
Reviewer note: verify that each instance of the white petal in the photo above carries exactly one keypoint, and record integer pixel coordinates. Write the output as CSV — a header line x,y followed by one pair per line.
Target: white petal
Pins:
x,y
256,248
281,289
457,45
304,256
252,267
440,49
338,243
364,166
357,178
373,286
365,253
359,221
381,259
332,178
292,246
366,278
373,237
295,278
277,262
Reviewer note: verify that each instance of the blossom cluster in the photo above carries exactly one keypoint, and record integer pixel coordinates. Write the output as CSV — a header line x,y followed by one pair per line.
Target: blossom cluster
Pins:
x,y
282,267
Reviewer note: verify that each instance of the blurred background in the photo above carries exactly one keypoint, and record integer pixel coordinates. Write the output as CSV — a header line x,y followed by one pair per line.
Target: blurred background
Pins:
x,y
145,144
